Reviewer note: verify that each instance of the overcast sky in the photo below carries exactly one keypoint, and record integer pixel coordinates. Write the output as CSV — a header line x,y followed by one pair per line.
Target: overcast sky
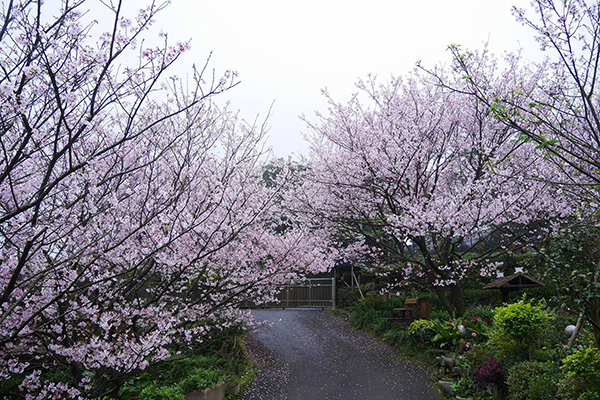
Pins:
x,y
287,51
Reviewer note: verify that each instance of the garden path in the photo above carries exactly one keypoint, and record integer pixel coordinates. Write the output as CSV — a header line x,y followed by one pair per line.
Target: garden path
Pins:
x,y
315,355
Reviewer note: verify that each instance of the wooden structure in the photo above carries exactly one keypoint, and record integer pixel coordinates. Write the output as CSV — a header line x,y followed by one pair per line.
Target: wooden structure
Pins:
x,y
511,283
417,308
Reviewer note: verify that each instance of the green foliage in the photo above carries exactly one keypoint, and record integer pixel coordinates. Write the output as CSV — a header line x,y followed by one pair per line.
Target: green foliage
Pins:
x,y
584,363
370,312
506,348
365,318
422,331
395,337
200,379
440,314
590,395
521,321
478,329
464,387
544,387
347,297
481,312
479,298
448,334
380,327
193,373
465,363
582,379
224,359
568,263
586,337
154,392
379,303
571,387
417,326
521,378
478,353
134,387
522,353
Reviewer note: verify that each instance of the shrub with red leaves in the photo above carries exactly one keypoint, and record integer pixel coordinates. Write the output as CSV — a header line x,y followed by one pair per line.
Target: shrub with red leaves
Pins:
x,y
489,373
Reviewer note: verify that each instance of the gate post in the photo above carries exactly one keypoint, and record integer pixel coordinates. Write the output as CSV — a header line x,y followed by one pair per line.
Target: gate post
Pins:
x,y
287,295
333,302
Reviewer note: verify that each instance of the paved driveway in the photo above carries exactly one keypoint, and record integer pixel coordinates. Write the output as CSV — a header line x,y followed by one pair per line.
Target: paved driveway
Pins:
x,y
314,355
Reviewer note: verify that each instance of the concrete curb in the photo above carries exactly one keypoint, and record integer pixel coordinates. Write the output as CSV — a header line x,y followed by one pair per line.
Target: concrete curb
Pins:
x,y
213,393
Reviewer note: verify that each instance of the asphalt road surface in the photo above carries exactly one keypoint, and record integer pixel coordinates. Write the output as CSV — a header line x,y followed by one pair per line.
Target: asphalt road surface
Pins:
x,y
314,355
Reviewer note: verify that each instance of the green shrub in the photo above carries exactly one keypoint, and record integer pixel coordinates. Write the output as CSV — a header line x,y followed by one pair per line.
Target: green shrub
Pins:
x,y
522,321
586,337
364,318
544,387
571,387
507,349
201,378
347,297
380,327
521,376
398,301
448,334
154,392
395,337
369,312
590,395
376,302
482,313
422,331
582,370
132,388
478,353
442,315
478,329
464,387
584,363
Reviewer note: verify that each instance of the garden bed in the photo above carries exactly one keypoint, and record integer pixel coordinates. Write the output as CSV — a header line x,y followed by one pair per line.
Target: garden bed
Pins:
x,y
514,351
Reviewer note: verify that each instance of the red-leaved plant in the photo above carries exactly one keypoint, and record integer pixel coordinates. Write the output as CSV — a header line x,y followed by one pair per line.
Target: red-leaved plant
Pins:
x,y
488,373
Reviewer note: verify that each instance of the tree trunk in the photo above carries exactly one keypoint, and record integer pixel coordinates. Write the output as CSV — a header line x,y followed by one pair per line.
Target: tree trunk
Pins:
x,y
440,292
432,276
457,300
595,319
595,310
577,328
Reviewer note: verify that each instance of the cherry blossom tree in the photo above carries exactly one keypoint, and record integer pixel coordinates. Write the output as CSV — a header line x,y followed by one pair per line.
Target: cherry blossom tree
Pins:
x,y
134,215
426,180
553,104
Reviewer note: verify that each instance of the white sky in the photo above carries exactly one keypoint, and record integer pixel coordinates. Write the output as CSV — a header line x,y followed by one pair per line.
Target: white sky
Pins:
x,y
287,51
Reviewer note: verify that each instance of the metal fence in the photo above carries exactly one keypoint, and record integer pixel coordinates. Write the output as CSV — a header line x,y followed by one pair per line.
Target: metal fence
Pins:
x,y
313,292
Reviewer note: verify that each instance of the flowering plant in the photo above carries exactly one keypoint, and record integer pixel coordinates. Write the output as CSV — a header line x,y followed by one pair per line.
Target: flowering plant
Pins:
x,y
449,333
478,329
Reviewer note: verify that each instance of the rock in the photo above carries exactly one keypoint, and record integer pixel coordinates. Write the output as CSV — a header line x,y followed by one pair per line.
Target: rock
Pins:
x,y
446,388
569,330
446,364
456,372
